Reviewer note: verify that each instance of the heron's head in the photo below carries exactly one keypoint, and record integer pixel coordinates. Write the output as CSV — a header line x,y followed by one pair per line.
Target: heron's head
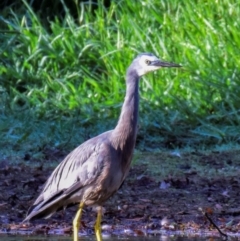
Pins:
x,y
146,62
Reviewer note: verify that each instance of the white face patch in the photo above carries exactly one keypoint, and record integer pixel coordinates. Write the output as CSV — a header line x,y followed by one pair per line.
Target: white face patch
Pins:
x,y
144,66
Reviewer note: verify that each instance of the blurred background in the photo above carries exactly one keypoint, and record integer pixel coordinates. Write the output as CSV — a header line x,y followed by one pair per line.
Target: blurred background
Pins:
x,y
63,65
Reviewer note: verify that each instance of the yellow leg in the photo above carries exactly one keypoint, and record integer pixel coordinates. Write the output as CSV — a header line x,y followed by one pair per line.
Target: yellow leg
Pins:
x,y
97,227
76,222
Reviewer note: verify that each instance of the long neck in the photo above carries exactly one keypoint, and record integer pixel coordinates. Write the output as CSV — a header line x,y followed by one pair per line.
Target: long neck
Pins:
x,y
124,134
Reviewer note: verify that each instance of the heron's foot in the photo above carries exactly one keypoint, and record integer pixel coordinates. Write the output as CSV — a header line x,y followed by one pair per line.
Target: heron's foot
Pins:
x,y
98,230
76,222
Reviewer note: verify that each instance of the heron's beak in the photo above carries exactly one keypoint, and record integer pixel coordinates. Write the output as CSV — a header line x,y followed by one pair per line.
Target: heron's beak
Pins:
x,y
160,63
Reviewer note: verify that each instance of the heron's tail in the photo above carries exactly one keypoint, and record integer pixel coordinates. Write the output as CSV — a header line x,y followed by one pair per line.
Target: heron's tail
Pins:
x,y
46,208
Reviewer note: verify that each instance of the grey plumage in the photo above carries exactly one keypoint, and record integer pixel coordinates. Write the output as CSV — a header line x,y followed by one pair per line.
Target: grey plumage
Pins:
x,y
95,170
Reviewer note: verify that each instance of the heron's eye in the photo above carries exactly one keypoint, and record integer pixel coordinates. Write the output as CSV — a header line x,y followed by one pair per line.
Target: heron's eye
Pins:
x,y
148,62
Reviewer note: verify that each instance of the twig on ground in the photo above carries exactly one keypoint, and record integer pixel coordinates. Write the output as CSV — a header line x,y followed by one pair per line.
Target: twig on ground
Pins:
x,y
214,224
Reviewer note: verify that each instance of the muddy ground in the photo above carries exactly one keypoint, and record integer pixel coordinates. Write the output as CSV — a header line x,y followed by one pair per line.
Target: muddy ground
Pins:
x,y
163,192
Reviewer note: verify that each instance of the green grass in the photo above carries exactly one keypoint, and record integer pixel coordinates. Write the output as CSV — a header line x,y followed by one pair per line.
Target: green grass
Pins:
x,y
63,82
179,164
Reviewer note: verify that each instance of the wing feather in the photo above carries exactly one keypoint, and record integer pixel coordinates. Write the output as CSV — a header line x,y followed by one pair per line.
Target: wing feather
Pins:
x,y
79,169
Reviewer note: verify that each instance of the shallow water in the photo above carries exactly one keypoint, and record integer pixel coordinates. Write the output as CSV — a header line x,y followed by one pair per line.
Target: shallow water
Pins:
x,y
65,238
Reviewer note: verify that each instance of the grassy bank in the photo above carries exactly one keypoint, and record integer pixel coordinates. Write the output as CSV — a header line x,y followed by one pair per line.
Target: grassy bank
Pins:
x,y
62,81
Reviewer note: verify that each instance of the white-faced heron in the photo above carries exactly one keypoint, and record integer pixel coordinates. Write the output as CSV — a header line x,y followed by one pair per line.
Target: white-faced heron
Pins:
x,y
95,170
